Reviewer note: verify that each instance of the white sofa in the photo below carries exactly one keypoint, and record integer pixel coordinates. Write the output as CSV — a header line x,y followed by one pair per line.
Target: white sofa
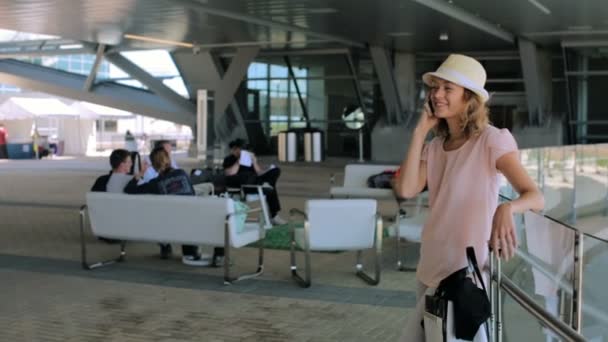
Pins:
x,y
190,220
355,182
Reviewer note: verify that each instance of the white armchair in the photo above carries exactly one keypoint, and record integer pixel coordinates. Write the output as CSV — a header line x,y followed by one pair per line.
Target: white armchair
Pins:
x,y
337,225
408,225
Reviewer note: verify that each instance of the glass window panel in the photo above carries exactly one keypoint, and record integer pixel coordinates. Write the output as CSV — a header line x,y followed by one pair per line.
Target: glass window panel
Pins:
x,y
132,83
155,62
300,72
257,70
595,301
278,71
302,85
177,84
278,87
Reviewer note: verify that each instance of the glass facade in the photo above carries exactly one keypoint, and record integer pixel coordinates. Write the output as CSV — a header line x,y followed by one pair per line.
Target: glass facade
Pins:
x,y
279,106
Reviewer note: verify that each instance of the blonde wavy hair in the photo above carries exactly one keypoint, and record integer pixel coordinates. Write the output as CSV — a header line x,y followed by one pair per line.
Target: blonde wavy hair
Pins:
x,y
473,119
160,159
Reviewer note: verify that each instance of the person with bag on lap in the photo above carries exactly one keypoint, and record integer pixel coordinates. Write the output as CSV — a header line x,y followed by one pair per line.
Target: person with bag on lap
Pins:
x,y
461,168
169,181
241,168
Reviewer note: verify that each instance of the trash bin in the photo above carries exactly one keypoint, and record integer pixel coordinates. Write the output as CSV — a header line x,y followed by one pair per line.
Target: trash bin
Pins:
x,y
287,147
313,146
20,150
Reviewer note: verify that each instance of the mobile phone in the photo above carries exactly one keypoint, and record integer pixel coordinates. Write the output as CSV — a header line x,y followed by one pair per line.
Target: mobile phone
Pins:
x,y
430,103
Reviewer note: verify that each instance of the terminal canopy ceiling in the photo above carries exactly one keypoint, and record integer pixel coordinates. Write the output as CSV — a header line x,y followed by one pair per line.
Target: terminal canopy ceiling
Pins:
x,y
404,25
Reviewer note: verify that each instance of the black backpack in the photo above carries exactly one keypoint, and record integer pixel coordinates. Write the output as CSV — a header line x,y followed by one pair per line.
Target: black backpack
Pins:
x,y
381,180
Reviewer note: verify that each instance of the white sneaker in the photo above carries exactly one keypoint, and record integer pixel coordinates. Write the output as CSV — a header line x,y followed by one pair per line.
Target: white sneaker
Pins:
x,y
278,220
201,260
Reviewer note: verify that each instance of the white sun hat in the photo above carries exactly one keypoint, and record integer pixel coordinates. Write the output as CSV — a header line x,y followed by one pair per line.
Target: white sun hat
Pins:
x,y
465,71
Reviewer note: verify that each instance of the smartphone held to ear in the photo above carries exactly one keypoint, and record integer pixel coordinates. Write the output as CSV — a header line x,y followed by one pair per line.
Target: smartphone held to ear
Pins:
x,y
431,109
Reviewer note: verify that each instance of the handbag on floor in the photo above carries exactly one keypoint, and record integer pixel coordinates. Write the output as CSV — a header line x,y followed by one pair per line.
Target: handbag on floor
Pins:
x,y
458,308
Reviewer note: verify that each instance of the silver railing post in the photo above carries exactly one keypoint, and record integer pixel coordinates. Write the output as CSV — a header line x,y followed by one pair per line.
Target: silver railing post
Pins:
x,y
492,295
574,173
498,299
577,283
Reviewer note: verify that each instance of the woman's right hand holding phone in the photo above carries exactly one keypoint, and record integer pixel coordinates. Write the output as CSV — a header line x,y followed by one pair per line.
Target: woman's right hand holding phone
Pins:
x,y
427,119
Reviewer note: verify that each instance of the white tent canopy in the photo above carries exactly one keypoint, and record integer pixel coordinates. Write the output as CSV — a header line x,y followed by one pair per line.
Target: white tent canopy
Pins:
x,y
17,108
98,111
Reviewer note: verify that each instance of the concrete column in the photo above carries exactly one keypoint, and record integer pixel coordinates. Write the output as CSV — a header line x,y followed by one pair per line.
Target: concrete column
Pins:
x,y
405,78
536,68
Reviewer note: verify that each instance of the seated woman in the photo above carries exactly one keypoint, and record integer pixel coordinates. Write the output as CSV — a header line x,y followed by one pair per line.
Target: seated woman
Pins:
x,y
170,181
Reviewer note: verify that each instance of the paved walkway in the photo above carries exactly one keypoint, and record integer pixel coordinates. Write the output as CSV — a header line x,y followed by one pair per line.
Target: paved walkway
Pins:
x,y
47,296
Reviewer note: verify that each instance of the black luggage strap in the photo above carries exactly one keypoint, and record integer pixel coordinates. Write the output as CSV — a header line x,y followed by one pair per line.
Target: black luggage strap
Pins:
x,y
473,263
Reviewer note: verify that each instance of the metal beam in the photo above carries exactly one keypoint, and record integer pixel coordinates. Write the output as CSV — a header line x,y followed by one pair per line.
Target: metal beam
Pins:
x,y
584,43
45,47
204,71
293,52
295,83
155,85
468,18
88,84
198,6
230,81
384,69
61,83
356,84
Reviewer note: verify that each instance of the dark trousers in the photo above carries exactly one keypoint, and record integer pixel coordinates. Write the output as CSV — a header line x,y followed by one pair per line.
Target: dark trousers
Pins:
x,y
192,250
270,177
3,151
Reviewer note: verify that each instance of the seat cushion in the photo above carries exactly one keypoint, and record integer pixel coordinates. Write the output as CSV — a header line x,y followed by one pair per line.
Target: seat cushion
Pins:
x,y
354,192
410,228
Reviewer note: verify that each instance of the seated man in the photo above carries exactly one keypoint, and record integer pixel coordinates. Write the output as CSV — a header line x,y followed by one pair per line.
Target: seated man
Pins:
x,y
241,168
117,179
170,181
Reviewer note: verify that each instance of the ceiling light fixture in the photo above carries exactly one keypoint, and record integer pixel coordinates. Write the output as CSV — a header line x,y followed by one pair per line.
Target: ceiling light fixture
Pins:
x,y
443,36
540,6
158,40
324,10
580,28
70,46
400,34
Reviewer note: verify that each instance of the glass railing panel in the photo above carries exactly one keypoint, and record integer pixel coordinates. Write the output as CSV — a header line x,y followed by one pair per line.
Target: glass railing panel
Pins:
x,y
558,183
595,282
543,265
591,200
519,325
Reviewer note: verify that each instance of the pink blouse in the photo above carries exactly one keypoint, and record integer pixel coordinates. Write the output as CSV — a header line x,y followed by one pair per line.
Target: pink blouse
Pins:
x,y
463,196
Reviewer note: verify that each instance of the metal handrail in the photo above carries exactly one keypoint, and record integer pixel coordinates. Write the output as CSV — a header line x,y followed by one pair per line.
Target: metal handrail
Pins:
x,y
554,324
526,302
566,225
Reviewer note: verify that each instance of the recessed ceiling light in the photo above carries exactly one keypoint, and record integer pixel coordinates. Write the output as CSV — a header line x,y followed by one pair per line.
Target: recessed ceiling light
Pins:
x,y
70,46
444,36
540,7
580,28
400,34
158,40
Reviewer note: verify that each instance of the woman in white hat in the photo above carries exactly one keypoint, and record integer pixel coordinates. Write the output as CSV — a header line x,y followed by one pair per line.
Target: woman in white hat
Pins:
x,y
460,166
